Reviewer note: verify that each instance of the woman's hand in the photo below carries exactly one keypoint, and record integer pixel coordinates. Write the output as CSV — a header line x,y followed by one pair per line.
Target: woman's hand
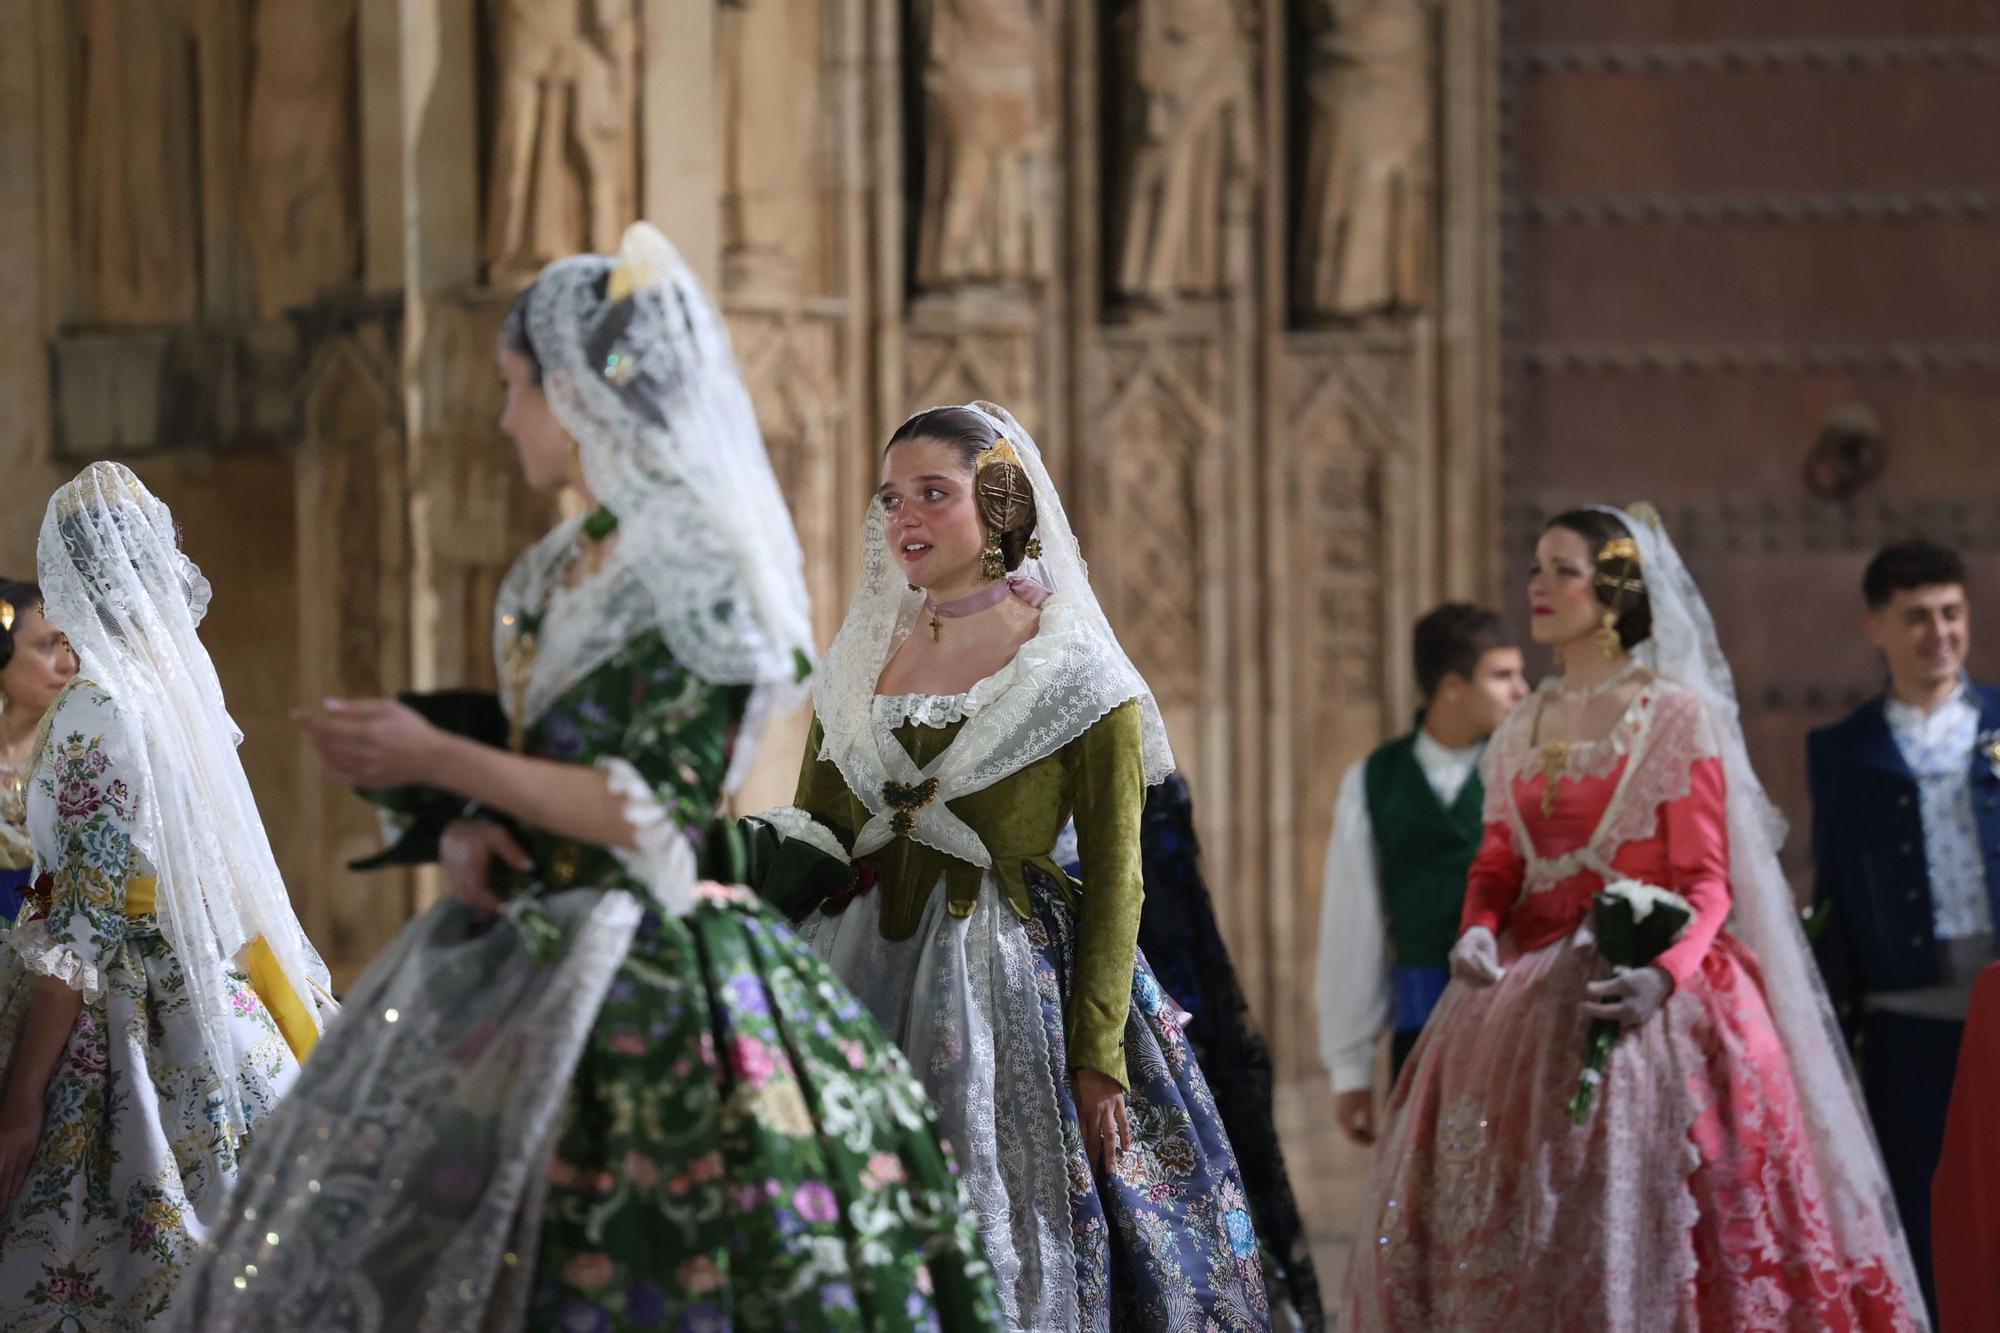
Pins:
x,y
373,743
1355,1112
725,893
1630,997
467,851
1475,959
20,1135
1100,1110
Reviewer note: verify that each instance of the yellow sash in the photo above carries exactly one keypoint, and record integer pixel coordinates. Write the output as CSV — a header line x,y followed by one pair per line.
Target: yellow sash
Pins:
x,y
267,978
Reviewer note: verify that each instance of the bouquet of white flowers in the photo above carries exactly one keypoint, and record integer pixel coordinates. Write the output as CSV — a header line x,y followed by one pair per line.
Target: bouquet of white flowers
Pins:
x,y
1634,924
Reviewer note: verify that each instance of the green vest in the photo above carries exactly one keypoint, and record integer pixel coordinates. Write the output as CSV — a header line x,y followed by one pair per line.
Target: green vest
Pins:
x,y
1422,852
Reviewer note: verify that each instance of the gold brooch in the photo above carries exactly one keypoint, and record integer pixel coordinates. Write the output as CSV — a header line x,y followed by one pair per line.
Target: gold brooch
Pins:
x,y
908,800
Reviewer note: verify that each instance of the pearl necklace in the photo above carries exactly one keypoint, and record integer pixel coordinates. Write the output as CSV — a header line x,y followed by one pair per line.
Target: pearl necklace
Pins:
x,y
1602,687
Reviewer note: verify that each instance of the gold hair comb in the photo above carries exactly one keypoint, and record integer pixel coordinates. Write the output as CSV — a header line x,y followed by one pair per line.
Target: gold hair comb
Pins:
x,y
1619,548
6,616
1001,452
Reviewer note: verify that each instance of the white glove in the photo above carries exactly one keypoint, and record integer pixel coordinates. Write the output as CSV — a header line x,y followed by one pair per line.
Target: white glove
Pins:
x,y
1475,959
1630,997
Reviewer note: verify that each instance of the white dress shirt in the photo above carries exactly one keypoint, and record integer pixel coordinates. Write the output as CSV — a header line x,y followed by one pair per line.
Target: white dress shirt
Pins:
x,y
1938,748
1353,981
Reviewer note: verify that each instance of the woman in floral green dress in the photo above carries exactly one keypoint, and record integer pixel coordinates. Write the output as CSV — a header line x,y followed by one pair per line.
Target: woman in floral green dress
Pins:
x,y
593,1091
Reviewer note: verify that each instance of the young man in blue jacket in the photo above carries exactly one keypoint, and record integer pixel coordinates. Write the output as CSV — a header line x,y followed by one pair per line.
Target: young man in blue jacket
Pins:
x,y
1906,837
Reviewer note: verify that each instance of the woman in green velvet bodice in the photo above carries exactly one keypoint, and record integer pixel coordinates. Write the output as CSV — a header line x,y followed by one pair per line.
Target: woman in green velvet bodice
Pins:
x,y
1099,780
591,1090
975,701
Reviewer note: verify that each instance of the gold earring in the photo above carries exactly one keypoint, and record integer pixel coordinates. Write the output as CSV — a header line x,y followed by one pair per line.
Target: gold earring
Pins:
x,y
1608,641
993,560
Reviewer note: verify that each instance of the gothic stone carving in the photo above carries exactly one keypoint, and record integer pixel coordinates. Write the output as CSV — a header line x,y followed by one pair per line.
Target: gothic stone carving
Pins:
x,y
772,123
1192,146
1155,460
985,145
300,205
1364,241
564,162
948,366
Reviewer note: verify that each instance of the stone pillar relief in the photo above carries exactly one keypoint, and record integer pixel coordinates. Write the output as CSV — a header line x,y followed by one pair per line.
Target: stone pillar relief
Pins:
x,y
772,123
563,172
1191,143
136,169
301,207
1365,213
985,214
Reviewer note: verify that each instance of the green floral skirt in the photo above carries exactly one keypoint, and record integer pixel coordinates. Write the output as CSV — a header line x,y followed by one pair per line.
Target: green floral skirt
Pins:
x,y
742,1148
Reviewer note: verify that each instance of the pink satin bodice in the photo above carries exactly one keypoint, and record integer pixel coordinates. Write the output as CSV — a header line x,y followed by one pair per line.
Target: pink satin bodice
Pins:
x,y
1688,853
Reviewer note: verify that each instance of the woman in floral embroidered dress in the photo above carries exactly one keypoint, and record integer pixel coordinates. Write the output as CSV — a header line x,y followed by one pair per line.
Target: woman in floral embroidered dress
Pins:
x,y
157,994
1726,1178
965,711
588,1094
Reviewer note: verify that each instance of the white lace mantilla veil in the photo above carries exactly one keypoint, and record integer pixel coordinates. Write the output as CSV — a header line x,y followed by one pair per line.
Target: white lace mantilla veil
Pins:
x,y
1684,649
1063,680
669,442
115,581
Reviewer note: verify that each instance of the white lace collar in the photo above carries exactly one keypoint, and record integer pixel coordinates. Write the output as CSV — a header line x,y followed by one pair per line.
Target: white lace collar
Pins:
x,y
926,710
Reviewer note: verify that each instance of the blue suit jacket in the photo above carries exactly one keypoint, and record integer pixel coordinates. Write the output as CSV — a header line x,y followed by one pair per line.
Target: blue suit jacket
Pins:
x,y
1868,846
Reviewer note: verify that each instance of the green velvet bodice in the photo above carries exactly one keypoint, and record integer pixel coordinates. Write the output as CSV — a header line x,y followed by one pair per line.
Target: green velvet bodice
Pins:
x,y
1099,780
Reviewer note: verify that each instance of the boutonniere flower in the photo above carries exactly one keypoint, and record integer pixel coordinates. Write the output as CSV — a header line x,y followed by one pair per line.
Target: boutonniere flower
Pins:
x,y
1988,747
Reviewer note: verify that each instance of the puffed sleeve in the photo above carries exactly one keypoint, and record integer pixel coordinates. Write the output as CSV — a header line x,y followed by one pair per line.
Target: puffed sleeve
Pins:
x,y
1696,831
669,767
1108,773
87,781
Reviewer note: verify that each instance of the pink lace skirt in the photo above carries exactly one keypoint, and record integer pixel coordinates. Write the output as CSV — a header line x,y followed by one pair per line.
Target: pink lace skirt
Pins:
x,y
1688,1200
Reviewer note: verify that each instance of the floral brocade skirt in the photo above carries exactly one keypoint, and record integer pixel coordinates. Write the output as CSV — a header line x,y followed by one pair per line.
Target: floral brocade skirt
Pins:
x,y
136,1159
1166,1244
1688,1200
741,1149
581,1116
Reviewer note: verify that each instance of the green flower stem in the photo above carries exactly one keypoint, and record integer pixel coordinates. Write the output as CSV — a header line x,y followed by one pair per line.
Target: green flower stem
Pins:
x,y
1603,1033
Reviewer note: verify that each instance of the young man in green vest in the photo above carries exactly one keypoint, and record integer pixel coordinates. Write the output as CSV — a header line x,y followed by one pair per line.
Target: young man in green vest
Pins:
x,y
1404,832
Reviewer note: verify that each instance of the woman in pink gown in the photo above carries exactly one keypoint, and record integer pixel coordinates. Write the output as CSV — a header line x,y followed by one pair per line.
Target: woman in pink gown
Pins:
x,y
1725,1177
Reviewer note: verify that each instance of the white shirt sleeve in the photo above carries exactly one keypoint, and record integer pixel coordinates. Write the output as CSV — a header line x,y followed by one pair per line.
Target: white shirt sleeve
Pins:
x,y
1353,981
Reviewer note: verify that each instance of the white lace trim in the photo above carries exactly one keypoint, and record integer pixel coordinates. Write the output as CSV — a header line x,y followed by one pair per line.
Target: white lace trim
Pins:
x,y
1062,681
706,548
792,822
1582,759
662,858
46,956
1665,733
926,710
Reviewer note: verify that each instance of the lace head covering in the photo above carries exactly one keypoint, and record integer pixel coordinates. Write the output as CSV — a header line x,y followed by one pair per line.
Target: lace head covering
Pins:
x,y
1684,649
1061,682
637,368
115,580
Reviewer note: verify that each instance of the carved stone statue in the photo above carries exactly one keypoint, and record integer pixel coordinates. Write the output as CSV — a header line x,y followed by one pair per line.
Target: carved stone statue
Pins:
x,y
1194,150
300,210
564,173
772,124
1365,220
986,145
138,215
